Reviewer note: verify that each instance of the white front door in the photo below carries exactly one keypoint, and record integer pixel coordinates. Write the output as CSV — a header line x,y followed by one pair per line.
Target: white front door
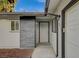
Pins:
x,y
43,32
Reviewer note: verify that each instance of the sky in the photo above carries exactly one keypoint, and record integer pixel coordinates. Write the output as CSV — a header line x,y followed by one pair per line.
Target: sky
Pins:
x,y
30,6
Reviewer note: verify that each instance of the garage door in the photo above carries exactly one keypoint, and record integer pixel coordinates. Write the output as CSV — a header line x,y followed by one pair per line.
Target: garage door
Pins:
x,y
72,31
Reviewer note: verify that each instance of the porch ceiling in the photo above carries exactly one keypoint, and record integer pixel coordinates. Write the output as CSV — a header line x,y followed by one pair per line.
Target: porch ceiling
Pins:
x,y
53,5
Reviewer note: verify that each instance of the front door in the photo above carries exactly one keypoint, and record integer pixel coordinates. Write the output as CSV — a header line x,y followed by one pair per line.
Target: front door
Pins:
x,y
44,32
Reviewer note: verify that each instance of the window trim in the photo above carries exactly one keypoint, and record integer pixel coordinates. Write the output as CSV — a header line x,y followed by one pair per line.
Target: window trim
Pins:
x,y
15,23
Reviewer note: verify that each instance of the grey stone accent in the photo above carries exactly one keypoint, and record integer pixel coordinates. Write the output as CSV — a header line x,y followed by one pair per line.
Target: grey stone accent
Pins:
x,y
27,34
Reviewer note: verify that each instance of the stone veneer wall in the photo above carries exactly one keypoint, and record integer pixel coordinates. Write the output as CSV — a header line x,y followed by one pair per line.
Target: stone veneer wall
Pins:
x,y
27,34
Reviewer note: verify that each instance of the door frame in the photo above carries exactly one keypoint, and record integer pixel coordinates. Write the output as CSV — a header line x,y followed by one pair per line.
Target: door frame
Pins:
x,y
48,30
56,23
71,3
57,35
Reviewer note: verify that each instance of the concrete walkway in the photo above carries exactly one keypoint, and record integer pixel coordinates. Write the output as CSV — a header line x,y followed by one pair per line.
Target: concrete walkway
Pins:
x,y
43,51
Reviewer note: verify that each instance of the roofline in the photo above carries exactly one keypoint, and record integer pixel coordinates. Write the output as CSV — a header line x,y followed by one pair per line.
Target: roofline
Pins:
x,y
24,13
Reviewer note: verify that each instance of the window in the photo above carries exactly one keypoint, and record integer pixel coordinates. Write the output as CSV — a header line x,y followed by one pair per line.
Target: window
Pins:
x,y
54,25
17,25
14,25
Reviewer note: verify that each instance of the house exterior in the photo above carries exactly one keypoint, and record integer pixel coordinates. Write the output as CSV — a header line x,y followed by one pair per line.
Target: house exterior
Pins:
x,y
56,28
